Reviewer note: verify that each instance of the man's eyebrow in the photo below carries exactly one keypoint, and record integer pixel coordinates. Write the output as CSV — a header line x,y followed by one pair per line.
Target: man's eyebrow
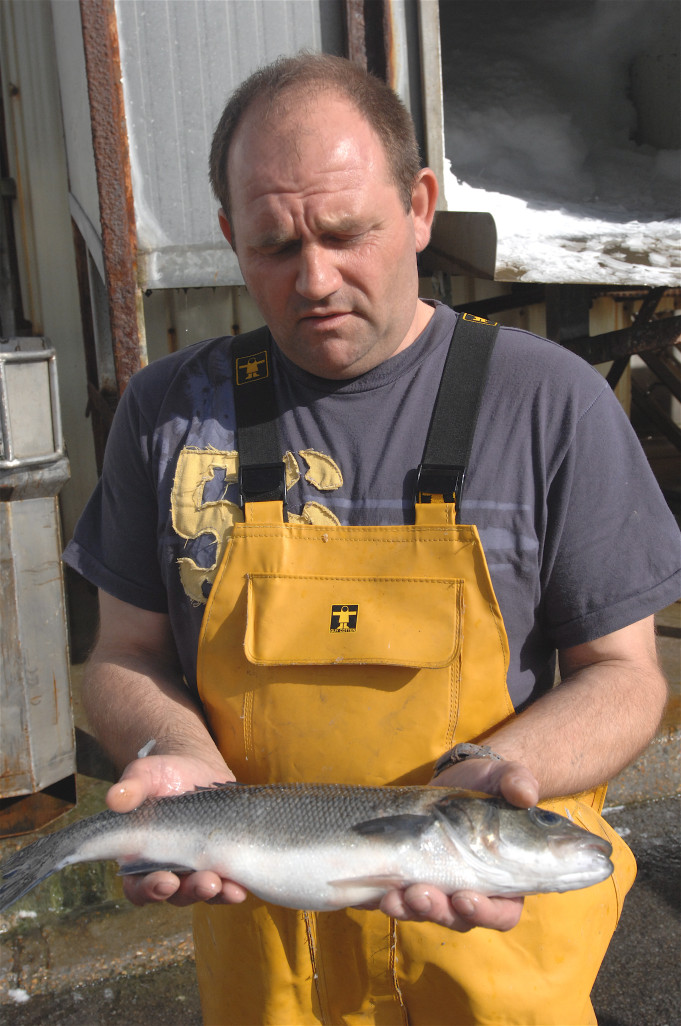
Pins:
x,y
344,224
275,237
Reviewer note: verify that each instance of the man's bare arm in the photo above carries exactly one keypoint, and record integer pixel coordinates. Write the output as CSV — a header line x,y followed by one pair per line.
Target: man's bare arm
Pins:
x,y
602,715
597,720
133,691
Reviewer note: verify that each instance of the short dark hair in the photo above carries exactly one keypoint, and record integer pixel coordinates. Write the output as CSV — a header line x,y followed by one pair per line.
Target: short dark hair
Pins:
x,y
375,101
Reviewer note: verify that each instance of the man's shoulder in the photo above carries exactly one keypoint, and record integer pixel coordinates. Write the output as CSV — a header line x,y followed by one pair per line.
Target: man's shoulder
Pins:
x,y
185,373
533,364
191,358
519,343
525,365
520,347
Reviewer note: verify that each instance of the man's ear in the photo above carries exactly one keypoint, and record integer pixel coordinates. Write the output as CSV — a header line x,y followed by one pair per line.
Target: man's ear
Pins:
x,y
225,227
423,203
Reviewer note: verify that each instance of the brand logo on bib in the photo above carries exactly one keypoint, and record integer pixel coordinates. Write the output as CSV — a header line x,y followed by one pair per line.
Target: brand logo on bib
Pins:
x,y
343,619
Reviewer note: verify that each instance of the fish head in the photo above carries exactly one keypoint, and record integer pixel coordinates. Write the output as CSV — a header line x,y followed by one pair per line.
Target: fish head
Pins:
x,y
523,851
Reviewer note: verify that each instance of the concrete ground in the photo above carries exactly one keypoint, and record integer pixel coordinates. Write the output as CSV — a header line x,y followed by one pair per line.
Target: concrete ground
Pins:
x,y
74,953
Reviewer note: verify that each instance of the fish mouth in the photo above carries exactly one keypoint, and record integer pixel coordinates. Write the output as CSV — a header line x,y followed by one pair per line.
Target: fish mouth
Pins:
x,y
592,843
599,845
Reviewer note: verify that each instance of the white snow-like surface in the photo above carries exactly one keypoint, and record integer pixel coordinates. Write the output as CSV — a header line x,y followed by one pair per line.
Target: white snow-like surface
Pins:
x,y
561,120
18,995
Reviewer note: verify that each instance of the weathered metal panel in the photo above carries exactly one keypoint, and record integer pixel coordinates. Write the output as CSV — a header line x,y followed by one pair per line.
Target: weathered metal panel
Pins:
x,y
70,57
36,722
180,61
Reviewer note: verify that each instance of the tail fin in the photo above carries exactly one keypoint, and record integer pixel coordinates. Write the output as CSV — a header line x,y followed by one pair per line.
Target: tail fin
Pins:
x,y
29,866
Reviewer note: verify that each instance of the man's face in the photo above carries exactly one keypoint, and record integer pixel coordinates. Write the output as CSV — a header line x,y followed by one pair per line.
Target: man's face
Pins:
x,y
324,243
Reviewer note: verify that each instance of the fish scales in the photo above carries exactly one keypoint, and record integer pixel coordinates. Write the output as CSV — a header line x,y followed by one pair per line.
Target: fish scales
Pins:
x,y
326,846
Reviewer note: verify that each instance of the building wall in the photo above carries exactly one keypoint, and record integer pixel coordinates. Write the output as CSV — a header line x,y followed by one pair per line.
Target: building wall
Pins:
x,y
180,61
35,139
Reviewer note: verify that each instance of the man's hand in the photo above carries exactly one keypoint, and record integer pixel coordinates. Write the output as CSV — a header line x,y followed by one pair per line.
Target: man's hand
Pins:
x,y
133,690
159,776
466,909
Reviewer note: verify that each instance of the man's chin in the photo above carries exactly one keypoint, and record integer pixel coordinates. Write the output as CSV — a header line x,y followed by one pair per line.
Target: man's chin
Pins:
x,y
330,356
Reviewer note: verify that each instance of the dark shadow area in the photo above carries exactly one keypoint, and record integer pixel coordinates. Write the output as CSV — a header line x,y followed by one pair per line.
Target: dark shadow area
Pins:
x,y
164,997
570,105
639,981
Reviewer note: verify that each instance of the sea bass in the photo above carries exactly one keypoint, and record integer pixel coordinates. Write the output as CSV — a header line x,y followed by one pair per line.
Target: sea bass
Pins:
x,y
328,846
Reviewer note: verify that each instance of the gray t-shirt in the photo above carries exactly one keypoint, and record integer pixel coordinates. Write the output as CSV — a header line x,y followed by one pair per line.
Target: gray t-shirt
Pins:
x,y
577,535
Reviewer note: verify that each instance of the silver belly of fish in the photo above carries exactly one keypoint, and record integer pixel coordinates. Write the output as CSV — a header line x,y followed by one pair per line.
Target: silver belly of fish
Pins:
x,y
325,846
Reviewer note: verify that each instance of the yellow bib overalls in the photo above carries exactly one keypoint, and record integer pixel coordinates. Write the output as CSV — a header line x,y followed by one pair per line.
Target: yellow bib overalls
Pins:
x,y
359,655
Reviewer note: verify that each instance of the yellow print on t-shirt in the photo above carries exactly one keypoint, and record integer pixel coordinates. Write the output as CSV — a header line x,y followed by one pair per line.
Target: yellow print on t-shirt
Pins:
x,y
193,516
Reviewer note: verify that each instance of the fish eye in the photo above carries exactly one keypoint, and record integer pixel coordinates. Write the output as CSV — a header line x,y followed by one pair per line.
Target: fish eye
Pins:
x,y
544,817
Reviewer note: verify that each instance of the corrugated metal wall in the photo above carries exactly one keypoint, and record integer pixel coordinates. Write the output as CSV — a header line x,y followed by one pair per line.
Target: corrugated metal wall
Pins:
x,y
180,61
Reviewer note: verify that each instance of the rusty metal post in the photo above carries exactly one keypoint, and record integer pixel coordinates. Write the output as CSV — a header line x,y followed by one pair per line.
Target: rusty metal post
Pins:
x,y
354,32
368,29
112,163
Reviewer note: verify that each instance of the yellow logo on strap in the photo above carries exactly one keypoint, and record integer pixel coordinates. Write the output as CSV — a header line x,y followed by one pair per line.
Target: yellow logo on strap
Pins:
x,y
252,368
479,320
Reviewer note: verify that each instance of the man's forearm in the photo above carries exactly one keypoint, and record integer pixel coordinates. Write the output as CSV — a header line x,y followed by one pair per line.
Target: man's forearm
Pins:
x,y
593,724
129,699
133,690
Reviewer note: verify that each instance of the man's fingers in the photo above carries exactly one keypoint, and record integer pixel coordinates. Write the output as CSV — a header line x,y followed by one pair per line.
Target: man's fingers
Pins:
x,y
161,776
127,794
462,912
140,779
514,781
490,913
141,890
184,890
421,903
518,786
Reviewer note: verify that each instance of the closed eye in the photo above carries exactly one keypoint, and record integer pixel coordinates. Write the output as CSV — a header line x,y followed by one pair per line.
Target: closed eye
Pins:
x,y
278,248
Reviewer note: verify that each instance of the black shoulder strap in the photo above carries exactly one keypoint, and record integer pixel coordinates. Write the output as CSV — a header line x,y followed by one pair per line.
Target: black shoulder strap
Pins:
x,y
452,426
262,475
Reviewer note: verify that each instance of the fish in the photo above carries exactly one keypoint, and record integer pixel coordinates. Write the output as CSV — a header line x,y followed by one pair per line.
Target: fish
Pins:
x,y
328,846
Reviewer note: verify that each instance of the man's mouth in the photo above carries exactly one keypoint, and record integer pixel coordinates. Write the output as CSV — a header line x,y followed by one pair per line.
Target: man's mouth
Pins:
x,y
323,315
321,320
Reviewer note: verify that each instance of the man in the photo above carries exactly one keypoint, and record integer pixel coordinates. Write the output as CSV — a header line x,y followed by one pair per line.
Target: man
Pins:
x,y
322,198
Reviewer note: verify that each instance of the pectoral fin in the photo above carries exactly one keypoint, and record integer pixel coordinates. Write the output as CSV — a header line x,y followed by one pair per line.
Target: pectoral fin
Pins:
x,y
391,827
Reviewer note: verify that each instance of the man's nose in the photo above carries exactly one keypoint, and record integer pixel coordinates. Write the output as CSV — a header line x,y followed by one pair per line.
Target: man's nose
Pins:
x,y
318,275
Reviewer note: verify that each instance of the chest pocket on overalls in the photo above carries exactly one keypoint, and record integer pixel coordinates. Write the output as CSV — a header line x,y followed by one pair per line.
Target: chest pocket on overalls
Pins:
x,y
299,620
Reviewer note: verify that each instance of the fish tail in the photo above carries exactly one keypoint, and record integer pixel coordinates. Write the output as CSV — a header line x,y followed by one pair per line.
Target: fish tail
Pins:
x,y
29,866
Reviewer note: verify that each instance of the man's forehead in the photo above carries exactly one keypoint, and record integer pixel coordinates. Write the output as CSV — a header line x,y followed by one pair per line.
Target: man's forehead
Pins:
x,y
296,103
290,115
306,157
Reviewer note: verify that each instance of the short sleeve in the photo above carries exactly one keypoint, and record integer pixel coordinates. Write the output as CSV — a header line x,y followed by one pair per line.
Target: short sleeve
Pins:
x,y
612,549
115,542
